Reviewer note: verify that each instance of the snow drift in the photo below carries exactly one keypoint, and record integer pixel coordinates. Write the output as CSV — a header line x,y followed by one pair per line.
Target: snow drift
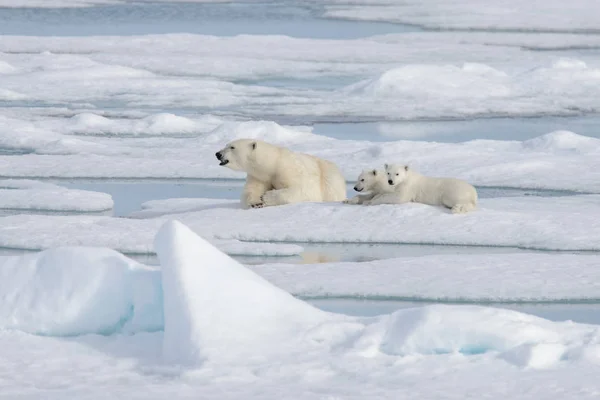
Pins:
x,y
78,290
217,309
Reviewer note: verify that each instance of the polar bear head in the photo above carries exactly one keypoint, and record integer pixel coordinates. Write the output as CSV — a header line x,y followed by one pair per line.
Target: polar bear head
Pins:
x,y
369,180
396,173
238,155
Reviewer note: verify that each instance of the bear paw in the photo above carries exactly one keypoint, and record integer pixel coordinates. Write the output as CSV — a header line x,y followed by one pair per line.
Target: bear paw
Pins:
x,y
257,205
269,198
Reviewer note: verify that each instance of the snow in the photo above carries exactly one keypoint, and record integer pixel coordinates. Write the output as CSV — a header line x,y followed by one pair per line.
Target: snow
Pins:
x,y
507,277
76,290
535,15
203,321
231,75
156,124
131,236
18,194
77,321
546,223
228,331
549,223
194,275
449,329
478,89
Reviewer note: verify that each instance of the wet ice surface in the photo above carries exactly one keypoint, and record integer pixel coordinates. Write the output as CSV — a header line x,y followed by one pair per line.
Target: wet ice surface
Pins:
x,y
230,19
459,130
582,313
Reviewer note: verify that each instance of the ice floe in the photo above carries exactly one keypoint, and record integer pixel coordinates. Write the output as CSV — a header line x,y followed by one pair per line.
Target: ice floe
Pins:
x,y
33,195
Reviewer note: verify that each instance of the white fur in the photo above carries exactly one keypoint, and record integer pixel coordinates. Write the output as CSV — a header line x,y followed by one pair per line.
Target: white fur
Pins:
x,y
278,176
372,182
410,186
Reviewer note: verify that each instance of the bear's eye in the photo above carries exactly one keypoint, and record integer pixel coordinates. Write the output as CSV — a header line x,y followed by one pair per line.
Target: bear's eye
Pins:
x,y
397,174
232,148
362,180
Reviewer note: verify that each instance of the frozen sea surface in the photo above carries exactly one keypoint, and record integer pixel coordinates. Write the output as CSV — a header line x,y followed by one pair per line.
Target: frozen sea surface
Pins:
x,y
132,99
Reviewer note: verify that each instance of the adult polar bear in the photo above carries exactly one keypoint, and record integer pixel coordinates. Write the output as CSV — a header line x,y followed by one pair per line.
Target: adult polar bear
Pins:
x,y
278,176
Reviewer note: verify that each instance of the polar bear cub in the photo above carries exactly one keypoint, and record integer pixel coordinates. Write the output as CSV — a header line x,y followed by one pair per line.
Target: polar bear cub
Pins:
x,y
372,182
277,176
410,186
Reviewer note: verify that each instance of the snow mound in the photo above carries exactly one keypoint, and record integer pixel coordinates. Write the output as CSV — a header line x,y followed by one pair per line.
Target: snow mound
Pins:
x,y
569,63
264,130
155,125
215,309
538,356
475,89
521,339
28,194
563,140
6,68
434,80
466,329
78,290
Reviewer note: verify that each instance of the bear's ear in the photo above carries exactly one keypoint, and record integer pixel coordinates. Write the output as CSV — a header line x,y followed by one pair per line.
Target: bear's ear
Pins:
x,y
253,145
406,167
374,172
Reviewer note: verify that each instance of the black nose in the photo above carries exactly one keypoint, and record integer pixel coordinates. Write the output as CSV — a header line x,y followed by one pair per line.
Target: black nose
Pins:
x,y
355,188
219,155
390,182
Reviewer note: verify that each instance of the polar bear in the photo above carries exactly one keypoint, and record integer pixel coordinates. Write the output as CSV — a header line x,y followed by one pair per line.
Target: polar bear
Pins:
x,y
277,176
410,186
372,181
